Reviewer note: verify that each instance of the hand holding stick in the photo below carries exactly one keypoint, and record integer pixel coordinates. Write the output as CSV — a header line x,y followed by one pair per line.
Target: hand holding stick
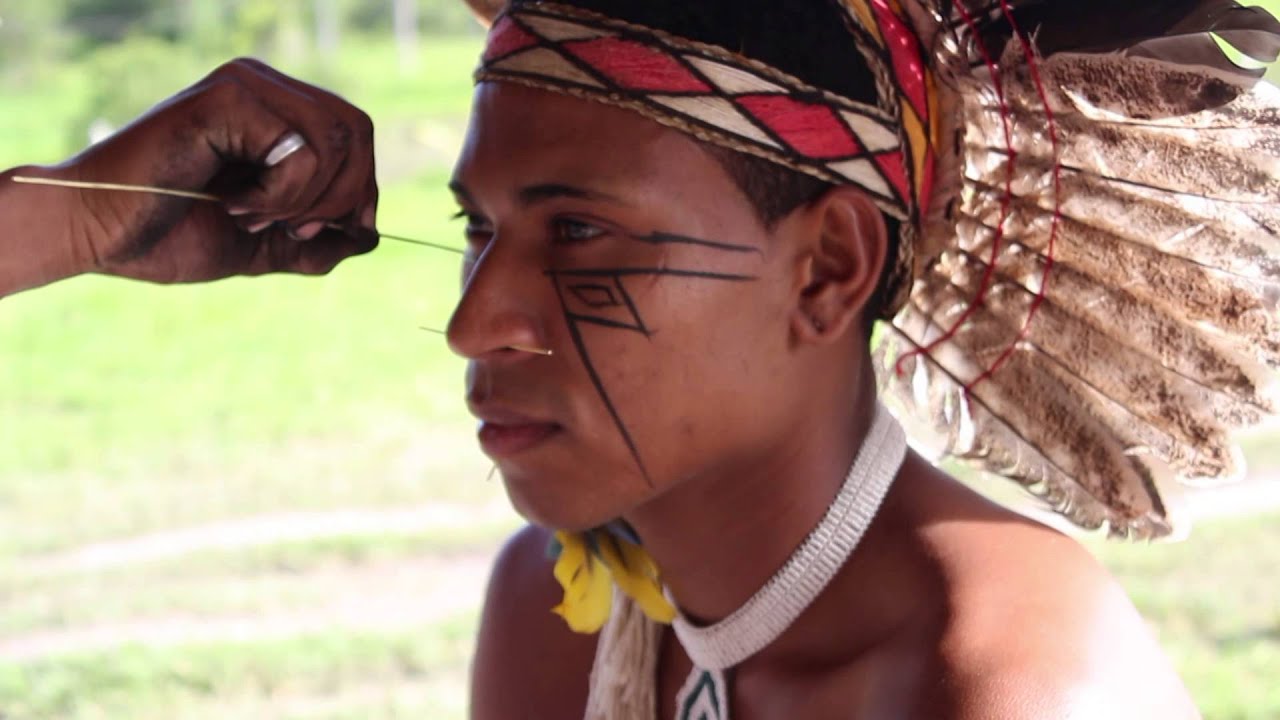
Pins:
x,y
290,166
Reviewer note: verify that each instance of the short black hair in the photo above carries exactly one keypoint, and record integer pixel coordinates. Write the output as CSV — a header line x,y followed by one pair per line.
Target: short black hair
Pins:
x,y
776,191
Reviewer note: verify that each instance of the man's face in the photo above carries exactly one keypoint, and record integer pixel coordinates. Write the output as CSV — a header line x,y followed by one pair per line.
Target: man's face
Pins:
x,y
627,250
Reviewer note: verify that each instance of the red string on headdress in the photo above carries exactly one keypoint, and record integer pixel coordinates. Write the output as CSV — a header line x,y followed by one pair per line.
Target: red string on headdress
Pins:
x,y
989,275
1057,204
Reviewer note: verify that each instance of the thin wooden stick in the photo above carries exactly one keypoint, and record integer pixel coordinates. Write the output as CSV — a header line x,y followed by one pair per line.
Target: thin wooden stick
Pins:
x,y
151,190
521,348
116,186
427,243
546,352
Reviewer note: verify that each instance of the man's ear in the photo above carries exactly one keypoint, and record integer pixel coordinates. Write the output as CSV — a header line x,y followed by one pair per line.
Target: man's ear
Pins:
x,y
840,264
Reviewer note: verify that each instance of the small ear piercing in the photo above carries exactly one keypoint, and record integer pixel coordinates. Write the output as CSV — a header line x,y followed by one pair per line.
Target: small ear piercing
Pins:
x,y
817,323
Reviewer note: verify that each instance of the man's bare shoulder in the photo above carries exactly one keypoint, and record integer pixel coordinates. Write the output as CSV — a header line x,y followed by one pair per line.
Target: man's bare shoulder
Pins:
x,y
1037,628
1045,662
528,664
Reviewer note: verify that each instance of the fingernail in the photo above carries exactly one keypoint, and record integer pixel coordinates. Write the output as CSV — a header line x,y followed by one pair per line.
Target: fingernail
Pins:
x,y
258,227
369,218
309,230
237,211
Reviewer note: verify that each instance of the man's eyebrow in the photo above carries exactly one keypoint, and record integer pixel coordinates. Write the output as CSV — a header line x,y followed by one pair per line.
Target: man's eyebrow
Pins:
x,y
532,194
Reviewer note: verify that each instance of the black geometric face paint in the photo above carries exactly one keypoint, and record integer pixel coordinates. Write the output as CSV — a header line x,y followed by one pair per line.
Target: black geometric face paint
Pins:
x,y
599,296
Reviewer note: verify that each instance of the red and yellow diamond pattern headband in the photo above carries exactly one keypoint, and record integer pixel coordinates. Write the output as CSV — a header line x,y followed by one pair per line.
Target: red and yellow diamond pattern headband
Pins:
x,y
730,100
884,26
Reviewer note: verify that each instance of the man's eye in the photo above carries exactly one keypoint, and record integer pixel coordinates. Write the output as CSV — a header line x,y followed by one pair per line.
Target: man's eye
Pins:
x,y
566,230
477,228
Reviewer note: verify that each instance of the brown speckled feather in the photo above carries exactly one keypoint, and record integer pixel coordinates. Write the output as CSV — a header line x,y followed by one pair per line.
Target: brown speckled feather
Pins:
x,y
1155,333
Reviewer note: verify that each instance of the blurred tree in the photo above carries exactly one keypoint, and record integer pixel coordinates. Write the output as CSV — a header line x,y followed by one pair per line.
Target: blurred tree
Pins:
x,y
96,22
31,38
39,33
253,28
435,17
328,16
204,25
446,17
292,43
131,76
406,28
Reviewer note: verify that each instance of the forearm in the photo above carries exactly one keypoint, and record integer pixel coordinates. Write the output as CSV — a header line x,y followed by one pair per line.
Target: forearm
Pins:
x,y
35,247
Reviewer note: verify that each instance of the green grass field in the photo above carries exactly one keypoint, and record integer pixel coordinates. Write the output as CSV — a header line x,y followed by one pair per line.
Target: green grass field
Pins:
x,y
131,410
261,499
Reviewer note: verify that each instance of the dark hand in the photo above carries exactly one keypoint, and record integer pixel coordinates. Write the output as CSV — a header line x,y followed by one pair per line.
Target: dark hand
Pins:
x,y
293,165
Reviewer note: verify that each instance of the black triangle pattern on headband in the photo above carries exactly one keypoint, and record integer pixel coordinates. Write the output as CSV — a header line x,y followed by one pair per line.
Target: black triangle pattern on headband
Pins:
x,y
706,91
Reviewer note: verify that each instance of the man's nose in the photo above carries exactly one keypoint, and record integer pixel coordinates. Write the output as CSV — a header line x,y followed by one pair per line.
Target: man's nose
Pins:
x,y
502,306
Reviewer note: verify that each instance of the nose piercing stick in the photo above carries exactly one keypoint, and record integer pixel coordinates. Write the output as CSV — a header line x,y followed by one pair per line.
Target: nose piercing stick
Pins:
x,y
520,348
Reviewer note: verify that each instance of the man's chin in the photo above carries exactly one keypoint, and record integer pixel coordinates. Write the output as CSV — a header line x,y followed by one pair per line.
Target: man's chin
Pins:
x,y
559,511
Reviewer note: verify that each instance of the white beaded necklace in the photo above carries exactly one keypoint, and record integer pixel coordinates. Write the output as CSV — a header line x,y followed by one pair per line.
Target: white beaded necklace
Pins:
x,y
777,605
623,677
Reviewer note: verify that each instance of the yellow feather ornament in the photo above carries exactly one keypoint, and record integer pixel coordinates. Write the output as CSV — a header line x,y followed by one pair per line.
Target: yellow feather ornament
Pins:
x,y
587,593
636,575
587,564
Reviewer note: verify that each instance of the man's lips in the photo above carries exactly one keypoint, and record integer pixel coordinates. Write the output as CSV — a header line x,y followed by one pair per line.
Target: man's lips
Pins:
x,y
500,441
504,433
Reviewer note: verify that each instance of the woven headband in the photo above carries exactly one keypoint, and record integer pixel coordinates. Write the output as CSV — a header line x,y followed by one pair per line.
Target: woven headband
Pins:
x,y
717,96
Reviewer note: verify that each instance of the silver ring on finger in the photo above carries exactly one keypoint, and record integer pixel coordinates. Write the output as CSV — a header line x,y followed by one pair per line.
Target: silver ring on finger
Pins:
x,y
288,145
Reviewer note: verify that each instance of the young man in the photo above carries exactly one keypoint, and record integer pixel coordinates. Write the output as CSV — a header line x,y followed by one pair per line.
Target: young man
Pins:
x,y
667,324
748,403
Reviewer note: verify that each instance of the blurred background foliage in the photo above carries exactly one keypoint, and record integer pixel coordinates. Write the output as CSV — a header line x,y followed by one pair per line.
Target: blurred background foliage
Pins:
x,y
261,498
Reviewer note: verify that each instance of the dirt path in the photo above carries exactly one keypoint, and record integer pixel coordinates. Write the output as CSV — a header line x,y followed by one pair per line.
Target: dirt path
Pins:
x,y
382,596
261,530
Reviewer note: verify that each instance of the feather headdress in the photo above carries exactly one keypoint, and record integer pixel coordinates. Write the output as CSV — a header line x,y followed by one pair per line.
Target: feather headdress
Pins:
x,y
1089,273
1095,308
